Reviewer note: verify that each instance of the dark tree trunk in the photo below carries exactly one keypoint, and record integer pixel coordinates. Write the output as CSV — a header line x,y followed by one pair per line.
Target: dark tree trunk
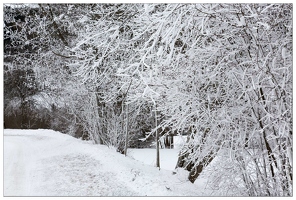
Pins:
x,y
23,113
182,159
169,141
196,171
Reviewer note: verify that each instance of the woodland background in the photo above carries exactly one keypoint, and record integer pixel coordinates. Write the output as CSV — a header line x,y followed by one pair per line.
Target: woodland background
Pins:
x,y
126,75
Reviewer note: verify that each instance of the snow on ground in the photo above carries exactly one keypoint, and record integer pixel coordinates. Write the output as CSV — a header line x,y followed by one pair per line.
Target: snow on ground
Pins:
x,y
48,163
168,157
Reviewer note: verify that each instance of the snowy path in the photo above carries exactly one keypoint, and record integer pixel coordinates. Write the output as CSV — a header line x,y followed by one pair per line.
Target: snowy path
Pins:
x,y
48,163
16,170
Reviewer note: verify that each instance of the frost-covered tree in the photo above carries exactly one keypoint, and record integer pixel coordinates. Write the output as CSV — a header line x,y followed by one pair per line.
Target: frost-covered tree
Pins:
x,y
20,84
32,43
103,52
229,85
218,73
213,71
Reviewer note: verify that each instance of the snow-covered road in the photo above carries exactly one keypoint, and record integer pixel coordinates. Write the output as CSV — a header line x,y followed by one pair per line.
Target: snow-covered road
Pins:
x,y
16,176
48,163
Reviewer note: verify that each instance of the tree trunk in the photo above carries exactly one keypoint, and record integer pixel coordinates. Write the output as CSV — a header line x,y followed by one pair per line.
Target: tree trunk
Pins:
x,y
181,163
181,159
196,171
23,113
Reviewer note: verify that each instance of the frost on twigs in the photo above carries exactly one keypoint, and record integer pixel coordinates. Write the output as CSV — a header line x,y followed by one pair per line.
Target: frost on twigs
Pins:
x,y
218,74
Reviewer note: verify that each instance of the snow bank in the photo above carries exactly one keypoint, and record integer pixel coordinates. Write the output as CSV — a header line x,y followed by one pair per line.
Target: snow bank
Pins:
x,y
60,165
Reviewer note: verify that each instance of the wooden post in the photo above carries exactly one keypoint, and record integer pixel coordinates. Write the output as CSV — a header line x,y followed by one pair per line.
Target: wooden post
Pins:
x,y
126,131
157,142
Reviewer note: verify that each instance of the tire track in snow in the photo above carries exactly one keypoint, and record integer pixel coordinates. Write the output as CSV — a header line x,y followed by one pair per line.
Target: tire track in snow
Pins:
x,y
79,175
16,167
34,165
